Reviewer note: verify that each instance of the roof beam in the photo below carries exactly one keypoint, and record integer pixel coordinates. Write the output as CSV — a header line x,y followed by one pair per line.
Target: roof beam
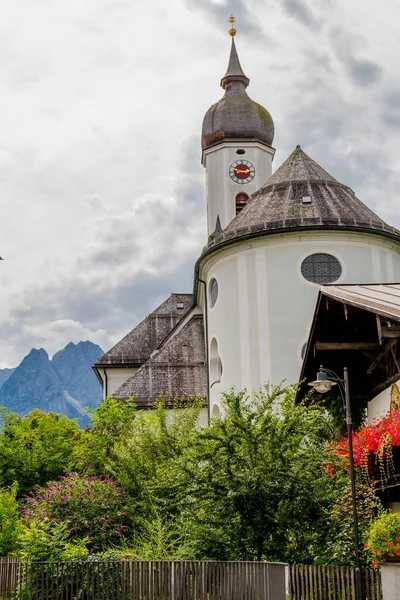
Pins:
x,y
391,332
346,346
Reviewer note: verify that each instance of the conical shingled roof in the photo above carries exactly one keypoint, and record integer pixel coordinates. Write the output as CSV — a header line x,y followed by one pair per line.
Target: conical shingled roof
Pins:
x,y
234,70
300,167
281,204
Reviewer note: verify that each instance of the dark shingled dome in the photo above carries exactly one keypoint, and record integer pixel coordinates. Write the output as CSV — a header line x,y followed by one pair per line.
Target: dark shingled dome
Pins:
x,y
301,194
236,116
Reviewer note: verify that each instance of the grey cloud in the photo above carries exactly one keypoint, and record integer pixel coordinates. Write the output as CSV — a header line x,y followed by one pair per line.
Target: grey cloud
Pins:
x,y
390,107
114,306
134,261
302,12
220,13
363,72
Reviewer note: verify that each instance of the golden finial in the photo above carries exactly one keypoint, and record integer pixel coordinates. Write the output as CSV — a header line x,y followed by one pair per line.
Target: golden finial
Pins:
x,y
232,30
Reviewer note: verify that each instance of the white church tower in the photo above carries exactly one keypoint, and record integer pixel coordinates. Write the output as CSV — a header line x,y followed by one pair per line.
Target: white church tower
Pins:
x,y
272,241
237,147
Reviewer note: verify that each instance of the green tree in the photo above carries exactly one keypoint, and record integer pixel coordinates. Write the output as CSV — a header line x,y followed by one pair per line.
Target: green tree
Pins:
x,y
151,464
111,425
35,449
259,488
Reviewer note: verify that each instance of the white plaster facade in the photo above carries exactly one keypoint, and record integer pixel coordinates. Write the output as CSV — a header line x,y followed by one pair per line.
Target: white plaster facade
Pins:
x,y
263,312
114,377
221,190
379,406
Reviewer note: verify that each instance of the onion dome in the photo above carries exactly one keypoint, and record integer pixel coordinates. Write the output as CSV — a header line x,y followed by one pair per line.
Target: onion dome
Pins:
x,y
302,195
236,116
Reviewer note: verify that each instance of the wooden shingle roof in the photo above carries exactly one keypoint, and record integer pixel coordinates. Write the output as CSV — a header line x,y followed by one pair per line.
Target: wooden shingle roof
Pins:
x,y
136,347
177,368
302,195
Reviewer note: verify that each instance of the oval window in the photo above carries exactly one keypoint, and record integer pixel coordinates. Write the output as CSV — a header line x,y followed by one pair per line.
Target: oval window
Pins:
x,y
321,268
213,291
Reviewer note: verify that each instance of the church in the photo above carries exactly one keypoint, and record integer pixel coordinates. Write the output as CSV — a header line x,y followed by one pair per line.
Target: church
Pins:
x,y
273,240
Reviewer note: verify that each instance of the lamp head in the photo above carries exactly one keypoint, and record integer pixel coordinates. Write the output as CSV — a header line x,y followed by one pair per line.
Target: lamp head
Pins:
x,y
322,384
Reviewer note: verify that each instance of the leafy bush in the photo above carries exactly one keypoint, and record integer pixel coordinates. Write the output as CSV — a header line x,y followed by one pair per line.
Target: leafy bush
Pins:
x,y
384,537
35,449
47,540
88,506
9,517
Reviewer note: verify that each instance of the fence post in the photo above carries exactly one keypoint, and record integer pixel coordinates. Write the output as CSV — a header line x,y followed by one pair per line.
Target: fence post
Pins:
x,y
390,580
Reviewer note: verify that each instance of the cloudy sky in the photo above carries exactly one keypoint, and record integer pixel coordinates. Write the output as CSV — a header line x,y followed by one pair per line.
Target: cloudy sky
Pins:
x,y
101,103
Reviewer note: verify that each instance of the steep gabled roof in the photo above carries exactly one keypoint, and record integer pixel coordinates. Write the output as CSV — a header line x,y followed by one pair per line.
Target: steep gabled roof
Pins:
x,y
279,205
178,368
136,347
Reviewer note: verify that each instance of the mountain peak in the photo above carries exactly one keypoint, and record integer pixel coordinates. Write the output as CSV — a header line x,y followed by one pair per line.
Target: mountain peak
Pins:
x,y
65,384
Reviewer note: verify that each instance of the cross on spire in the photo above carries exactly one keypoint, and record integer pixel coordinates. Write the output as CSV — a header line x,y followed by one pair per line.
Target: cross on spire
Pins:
x,y
232,30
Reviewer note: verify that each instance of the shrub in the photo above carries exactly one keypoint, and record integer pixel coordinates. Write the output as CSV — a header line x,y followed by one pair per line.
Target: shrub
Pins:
x,y
44,540
384,537
88,506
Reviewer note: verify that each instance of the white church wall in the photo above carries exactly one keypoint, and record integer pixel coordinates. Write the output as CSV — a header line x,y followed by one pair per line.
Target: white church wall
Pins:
x,y
380,405
264,307
116,377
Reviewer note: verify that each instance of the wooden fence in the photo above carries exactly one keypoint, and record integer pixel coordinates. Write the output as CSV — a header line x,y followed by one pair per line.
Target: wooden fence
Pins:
x,y
8,576
144,580
332,583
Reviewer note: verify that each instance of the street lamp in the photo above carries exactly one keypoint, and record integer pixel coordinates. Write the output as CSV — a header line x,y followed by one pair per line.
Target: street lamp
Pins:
x,y
326,379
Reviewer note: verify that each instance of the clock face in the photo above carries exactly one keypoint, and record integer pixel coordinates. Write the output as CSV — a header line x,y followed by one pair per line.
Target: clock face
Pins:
x,y
242,171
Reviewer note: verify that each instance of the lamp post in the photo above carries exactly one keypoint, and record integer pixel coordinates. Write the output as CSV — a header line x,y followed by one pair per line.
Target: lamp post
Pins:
x,y
324,382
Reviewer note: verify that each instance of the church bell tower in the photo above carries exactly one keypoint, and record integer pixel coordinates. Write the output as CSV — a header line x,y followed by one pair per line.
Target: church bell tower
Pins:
x,y
237,148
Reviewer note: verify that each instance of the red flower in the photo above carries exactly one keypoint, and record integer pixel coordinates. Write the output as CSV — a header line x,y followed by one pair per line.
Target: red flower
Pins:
x,y
376,437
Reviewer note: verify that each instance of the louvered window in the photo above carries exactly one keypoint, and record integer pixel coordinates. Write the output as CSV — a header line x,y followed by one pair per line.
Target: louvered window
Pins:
x,y
321,268
241,201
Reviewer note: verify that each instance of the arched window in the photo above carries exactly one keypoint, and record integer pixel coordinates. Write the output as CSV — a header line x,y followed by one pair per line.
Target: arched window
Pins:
x,y
241,201
215,363
213,291
216,413
321,268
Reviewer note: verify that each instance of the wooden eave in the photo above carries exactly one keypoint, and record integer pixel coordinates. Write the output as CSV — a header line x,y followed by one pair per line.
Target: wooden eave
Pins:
x,y
349,333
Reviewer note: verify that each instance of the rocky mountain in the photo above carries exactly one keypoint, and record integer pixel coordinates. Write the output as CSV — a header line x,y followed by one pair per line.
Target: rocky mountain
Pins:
x,y
5,374
66,384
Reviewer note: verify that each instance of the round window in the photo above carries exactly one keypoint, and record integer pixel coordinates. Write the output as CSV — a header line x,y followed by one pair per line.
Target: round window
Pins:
x,y
321,268
213,291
